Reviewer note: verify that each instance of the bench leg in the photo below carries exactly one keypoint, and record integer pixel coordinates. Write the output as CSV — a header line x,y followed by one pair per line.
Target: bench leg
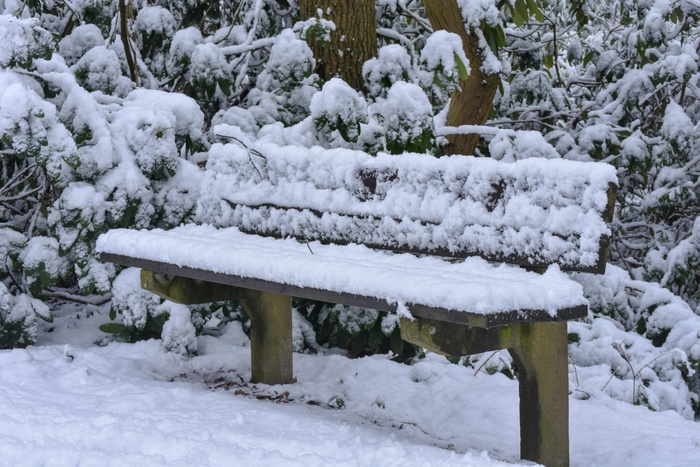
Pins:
x,y
270,336
541,359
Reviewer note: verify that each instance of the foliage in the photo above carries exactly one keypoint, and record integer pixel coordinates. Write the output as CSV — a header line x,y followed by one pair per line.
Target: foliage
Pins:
x,y
362,331
80,152
84,147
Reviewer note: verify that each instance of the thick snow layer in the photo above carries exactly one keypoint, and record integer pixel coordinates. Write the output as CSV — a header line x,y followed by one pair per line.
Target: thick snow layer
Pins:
x,y
548,211
68,402
473,285
442,50
189,119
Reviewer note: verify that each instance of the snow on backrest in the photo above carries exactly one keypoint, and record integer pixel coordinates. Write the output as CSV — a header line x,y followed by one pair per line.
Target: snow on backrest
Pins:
x,y
533,212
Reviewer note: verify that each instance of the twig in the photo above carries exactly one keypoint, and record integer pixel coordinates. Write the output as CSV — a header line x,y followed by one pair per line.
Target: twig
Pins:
x,y
621,351
421,22
612,375
485,362
555,47
97,301
14,280
250,151
233,23
129,51
307,243
653,360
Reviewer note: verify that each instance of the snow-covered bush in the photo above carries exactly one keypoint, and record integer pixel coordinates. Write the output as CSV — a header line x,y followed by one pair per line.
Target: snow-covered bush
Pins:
x,y
442,64
178,332
408,119
155,26
393,64
142,315
338,112
75,161
23,41
99,70
362,331
290,69
644,337
75,45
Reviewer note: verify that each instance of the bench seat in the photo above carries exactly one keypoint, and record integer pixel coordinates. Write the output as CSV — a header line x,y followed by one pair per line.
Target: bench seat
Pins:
x,y
470,291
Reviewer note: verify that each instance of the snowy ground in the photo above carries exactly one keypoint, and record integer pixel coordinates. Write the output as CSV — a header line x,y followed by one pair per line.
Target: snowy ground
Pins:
x,y
70,402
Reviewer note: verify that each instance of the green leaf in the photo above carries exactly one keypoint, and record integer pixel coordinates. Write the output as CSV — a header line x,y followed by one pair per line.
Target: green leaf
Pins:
x,y
461,68
375,337
396,342
491,40
677,15
129,215
357,343
10,334
520,13
113,328
369,324
44,276
547,61
342,338
156,323
88,289
535,10
83,135
225,86
517,19
500,36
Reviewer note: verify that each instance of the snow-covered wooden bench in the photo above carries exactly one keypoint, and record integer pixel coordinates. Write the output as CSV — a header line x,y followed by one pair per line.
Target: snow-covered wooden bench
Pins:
x,y
468,251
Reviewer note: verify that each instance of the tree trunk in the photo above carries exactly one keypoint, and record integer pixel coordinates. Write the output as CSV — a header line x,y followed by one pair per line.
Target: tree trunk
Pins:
x,y
471,105
353,42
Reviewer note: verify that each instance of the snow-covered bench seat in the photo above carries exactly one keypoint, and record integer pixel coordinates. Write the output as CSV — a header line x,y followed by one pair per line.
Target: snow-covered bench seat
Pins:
x,y
469,252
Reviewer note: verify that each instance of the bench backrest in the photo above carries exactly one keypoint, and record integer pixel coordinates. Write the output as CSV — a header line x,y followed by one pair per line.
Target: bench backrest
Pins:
x,y
533,212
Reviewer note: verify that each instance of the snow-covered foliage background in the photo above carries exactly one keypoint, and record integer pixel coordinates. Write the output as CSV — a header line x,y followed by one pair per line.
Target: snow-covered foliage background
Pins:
x,y
107,123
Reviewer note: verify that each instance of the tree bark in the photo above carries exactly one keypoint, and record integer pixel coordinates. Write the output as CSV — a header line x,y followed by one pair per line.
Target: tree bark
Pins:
x,y
353,42
472,104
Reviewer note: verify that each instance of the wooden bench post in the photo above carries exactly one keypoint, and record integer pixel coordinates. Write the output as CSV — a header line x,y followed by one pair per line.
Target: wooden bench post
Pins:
x,y
541,358
540,354
270,336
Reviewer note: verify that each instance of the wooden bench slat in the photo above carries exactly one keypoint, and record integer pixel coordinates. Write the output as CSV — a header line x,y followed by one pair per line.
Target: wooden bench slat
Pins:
x,y
440,314
532,212
469,292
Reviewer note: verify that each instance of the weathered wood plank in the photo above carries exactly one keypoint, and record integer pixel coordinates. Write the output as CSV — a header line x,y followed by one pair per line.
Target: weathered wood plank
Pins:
x,y
270,337
188,291
540,356
459,317
541,360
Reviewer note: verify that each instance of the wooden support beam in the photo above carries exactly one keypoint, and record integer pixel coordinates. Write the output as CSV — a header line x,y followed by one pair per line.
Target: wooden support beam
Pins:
x,y
540,354
456,340
541,359
188,291
270,319
270,336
